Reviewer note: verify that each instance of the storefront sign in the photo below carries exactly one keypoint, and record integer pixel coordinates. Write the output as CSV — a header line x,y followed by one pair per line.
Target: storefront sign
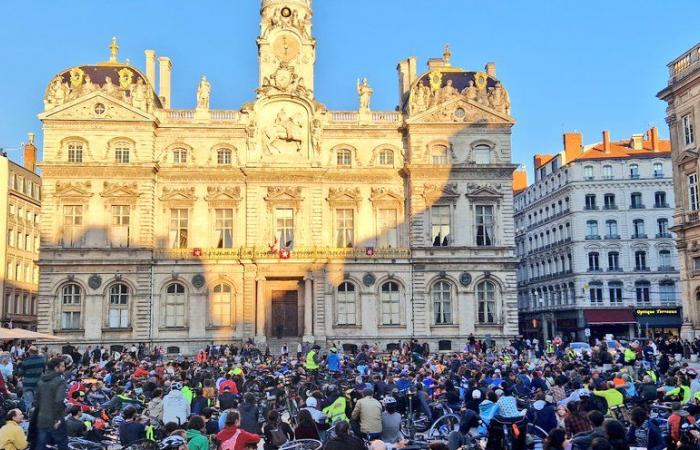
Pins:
x,y
656,312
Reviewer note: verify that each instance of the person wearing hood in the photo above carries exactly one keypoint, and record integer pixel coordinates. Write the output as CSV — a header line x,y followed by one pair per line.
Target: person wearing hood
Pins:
x,y
51,392
176,408
312,406
488,409
155,406
196,440
543,414
249,414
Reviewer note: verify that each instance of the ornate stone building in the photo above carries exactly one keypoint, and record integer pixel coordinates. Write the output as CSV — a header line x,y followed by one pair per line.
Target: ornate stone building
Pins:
x,y
281,219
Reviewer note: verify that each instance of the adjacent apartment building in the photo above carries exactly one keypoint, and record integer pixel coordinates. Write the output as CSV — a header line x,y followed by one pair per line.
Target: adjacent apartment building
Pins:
x,y
682,94
20,205
594,236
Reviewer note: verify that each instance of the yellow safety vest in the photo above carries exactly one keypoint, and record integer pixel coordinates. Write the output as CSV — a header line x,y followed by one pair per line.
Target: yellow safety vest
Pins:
x,y
310,363
336,410
630,355
652,375
550,348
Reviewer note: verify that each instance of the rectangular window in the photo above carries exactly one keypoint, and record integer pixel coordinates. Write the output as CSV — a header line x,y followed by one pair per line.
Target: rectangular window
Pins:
x,y
223,228
72,225
11,237
387,230
484,226
615,292
693,192
688,130
10,266
613,261
607,172
121,218
593,262
590,201
642,291
440,225
482,155
609,201
121,155
596,294
588,172
179,221
658,170
284,227
344,225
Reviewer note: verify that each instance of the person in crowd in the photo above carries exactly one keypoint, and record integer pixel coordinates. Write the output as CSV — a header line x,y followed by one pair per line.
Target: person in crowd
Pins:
x,y
368,411
555,439
232,436
307,427
50,397
176,408
131,429
276,432
196,439
643,432
12,435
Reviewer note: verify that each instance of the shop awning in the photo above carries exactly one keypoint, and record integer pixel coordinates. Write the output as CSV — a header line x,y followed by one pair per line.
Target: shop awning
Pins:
x,y
20,333
660,321
609,316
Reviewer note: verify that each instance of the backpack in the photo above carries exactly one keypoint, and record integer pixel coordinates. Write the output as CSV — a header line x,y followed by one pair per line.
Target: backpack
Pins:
x,y
277,436
230,443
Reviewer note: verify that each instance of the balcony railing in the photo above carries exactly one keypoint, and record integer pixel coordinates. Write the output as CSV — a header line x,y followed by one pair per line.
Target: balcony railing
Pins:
x,y
638,236
684,64
590,207
614,269
663,235
642,269
636,206
386,116
634,176
181,114
661,205
609,206
666,269
592,237
612,236
224,115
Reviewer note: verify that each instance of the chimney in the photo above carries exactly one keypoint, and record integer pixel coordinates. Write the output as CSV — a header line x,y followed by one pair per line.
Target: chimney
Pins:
x,y
407,74
606,141
654,138
573,145
520,179
491,69
30,153
151,67
637,141
164,90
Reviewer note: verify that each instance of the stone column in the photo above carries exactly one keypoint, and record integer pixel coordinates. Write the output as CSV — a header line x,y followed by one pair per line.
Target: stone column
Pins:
x,y
308,309
260,310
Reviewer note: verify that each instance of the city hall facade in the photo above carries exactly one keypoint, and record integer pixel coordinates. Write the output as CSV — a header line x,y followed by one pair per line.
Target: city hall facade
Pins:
x,y
281,220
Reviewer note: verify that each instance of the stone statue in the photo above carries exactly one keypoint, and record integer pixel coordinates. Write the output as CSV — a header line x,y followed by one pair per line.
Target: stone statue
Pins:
x,y
365,93
448,91
250,134
471,91
316,132
138,94
498,98
203,92
285,128
89,86
109,88
56,94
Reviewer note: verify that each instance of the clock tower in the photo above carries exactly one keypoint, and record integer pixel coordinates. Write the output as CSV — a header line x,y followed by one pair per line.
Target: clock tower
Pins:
x,y
286,50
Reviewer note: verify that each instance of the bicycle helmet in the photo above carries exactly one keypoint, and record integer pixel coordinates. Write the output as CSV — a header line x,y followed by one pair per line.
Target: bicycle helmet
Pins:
x,y
176,386
171,443
389,400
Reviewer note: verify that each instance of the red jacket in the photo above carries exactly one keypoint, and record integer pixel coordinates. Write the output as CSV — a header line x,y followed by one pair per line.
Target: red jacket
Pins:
x,y
244,438
229,383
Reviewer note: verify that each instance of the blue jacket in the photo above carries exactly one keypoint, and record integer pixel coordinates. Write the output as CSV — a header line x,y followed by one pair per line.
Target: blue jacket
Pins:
x,y
333,362
654,439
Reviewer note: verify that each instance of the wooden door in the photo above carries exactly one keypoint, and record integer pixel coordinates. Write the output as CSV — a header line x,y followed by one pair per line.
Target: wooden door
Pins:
x,y
285,315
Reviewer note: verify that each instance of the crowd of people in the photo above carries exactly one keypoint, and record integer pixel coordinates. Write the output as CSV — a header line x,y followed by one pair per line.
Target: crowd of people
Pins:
x,y
521,395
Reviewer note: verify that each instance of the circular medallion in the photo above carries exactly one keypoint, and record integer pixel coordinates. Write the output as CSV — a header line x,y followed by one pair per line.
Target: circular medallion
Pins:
x,y
99,109
465,278
198,281
460,113
285,47
286,12
368,279
95,281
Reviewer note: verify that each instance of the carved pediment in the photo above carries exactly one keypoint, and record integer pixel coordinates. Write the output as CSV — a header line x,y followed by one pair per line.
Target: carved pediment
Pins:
x,y
435,191
283,196
178,194
96,106
485,191
688,155
385,195
462,110
73,189
223,196
344,196
120,190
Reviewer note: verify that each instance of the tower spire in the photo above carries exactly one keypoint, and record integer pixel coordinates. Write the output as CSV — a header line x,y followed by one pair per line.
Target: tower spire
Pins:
x,y
113,50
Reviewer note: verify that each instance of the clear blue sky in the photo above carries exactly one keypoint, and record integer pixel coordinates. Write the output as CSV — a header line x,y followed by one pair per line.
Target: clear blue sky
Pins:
x,y
584,65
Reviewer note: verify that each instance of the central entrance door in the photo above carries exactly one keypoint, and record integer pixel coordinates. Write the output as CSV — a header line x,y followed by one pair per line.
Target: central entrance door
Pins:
x,y
285,313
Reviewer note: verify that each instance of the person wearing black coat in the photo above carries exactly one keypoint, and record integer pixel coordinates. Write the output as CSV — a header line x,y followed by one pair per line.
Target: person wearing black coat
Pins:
x,y
343,440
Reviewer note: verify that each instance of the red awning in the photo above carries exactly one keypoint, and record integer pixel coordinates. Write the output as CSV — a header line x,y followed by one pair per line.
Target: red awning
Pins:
x,y
609,316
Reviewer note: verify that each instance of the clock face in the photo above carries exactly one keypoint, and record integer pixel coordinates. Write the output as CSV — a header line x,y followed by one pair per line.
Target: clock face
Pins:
x,y
286,48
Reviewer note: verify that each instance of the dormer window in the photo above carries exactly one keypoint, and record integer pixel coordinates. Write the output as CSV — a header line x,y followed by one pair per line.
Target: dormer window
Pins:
x,y
344,158
386,158
439,154
482,154
75,152
179,156
223,156
121,152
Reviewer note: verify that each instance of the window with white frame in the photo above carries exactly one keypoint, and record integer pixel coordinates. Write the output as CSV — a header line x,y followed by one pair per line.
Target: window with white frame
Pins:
x,y
643,291
344,224
71,306
658,170
284,227
118,316
486,299
592,228
223,227
179,223
484,225
611,228
640,260
439,155
442,303
72,225
75,152
343,158
223,156
693,202
688,129
613,261
482,154
174,306
220,308
588,172
662,227
440,225
387,228
593,261
638,228
596,292
179,156
607,172
664,259
634,170
615,291
121,218
121,152
390,301
386,157
347,304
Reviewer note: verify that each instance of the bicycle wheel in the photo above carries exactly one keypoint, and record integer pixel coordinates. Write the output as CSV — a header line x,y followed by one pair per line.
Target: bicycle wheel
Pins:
x,y
302,444
443,427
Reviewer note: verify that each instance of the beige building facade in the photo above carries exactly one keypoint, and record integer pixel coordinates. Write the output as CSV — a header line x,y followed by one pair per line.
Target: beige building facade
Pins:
x,y
682,95
281,220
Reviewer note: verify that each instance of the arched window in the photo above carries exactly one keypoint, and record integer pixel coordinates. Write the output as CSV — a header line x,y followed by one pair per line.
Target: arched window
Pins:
x,y
75,152
220,311
174,306
592,229
439,155
642,289
667,292
223,156
638,229
344,158
122,152
391,302
118,316
640,260
665,260
634,171
482,154
71,306
386,157
179,156
442,303
347,304
486,299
